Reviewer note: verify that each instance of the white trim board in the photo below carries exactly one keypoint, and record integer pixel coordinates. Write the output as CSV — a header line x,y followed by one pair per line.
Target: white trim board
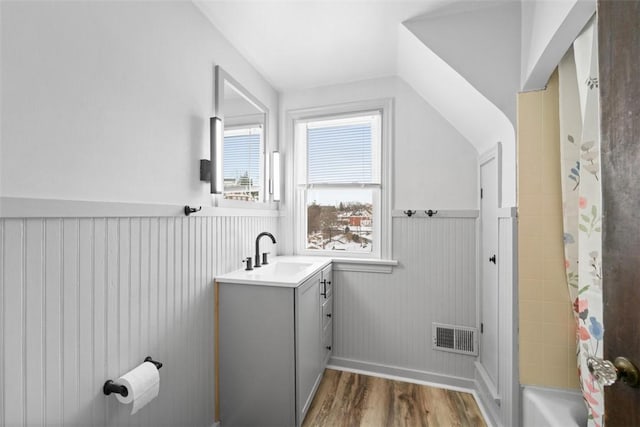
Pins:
x,y
493,153
486,382
487,407
412,375
509,212
19,207
366,265
422,213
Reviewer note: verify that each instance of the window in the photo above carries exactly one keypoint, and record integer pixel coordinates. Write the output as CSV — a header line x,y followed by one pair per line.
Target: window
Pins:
x,y
242,163
339,177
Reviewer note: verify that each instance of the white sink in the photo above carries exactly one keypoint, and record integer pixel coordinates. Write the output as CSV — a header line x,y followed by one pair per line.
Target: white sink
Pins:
x,y
284,268
281,271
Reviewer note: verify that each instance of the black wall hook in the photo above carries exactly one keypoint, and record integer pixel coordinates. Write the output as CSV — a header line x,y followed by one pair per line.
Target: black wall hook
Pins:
x,y
113,387
430,213
409,213
188,210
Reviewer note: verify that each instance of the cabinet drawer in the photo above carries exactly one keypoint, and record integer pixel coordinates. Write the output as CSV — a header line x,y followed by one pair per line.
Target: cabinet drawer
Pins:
x,y
327,312
327,336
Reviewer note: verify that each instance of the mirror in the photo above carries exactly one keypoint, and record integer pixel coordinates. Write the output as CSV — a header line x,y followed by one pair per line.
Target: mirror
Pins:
x,y
244,130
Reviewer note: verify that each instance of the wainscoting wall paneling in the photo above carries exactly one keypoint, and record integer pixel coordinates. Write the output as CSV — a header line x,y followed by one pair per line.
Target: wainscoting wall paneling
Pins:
x,y
83,300
383,321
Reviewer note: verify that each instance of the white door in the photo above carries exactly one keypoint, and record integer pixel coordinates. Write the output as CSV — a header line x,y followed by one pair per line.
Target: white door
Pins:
x,y
489,267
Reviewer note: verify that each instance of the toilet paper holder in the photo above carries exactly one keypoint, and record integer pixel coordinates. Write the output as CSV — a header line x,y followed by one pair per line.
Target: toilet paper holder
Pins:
x,y
113,387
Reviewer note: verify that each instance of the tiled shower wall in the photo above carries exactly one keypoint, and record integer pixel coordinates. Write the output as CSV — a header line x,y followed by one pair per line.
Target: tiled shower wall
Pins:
x,y
547,328
83,300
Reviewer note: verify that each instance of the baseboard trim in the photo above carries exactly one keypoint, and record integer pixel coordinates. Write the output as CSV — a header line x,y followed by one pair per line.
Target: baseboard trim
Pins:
x,y
486,383
448,382
487,406
488,412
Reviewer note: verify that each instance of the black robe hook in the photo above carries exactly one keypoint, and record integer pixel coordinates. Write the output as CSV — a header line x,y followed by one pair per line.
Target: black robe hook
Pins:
x,y
188,210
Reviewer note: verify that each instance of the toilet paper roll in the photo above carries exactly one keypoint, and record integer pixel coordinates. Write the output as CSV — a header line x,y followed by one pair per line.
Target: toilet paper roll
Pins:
x,y
143,385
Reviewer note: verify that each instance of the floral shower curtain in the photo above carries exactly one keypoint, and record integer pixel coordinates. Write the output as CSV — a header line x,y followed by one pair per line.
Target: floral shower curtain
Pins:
x,y
582,205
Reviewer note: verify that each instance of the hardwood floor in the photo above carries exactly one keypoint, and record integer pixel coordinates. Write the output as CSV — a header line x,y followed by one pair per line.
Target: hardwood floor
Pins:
x,y
348,399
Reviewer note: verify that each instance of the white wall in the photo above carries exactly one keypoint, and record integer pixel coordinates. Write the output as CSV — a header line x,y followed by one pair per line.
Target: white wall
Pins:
x,y
434,166
548,29
483,45
471,113
110,101
1,102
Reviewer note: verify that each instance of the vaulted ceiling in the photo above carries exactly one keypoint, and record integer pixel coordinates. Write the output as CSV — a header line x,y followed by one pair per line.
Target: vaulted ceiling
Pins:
x,y
298,44
461,56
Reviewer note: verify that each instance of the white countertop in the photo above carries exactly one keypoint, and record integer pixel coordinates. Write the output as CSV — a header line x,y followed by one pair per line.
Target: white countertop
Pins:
x,y
283,271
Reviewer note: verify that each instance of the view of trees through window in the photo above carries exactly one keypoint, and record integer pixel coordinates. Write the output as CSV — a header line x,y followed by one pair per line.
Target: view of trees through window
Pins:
x,y
343,181
340,225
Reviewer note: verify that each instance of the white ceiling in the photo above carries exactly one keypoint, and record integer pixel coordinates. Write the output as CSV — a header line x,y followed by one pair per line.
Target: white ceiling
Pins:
x,y
299,44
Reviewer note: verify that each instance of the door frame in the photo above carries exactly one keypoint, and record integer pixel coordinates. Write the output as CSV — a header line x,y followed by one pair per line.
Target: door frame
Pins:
x,y
494,153
505,410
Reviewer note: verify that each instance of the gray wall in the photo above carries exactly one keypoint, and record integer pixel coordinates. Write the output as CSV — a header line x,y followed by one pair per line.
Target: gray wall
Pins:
x,y
85,300
385,319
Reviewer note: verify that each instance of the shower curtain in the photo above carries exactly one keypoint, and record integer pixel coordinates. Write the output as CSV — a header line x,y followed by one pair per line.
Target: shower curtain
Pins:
x,y
582,205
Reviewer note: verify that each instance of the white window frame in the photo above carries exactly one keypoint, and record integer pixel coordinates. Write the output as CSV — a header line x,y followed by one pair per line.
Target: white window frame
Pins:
x,y
381,194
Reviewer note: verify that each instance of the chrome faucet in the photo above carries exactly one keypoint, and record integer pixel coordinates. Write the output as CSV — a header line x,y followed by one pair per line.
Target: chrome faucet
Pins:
x,y
264,233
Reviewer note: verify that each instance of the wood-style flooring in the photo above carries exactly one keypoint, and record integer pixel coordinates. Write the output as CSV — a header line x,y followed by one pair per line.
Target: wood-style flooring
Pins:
x,y
349,399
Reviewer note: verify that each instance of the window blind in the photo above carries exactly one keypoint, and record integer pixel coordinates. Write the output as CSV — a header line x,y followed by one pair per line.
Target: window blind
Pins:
x,y
242,157
340,154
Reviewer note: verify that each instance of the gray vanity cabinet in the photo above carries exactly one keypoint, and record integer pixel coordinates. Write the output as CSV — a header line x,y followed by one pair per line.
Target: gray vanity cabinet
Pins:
x,y
326,300
309,360
272,352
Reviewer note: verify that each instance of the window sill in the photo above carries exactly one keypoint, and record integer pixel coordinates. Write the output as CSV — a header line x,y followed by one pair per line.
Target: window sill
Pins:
x,y
366,265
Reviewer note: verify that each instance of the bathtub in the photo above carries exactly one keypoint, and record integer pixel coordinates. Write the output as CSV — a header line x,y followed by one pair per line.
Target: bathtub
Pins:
x,y
542,407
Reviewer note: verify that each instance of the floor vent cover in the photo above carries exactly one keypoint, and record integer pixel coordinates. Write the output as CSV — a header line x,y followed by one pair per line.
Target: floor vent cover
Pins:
x,y
456,339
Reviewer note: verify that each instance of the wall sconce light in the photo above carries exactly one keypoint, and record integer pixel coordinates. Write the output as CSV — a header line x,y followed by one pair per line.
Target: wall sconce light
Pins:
x,y
275,172
211,170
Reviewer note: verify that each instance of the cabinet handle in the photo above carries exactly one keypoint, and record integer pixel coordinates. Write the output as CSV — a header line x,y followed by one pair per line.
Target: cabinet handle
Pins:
x,y
324,287
329,315
328,347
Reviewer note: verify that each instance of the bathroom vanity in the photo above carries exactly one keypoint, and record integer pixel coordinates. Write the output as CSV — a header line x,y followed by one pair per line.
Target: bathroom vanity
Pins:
x,y
275,338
